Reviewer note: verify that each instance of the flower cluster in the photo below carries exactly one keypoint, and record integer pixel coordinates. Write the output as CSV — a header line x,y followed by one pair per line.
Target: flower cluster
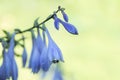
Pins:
x,y
9,66
69,27
44,53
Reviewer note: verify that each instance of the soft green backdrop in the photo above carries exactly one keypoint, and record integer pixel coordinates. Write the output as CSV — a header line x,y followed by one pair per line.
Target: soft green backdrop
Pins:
x,y
92,55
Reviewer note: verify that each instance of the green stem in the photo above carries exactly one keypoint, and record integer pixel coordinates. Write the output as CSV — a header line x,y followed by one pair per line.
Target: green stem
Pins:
x,y
29,29
47,19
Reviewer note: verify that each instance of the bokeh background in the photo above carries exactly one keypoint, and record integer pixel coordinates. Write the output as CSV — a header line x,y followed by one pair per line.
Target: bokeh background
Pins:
x,y
92,55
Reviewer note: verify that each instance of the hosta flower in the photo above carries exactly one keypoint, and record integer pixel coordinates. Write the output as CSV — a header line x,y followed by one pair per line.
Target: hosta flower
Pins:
x,y
54,53
56,22
34,63
57,74
69,27
44,60
64,16
14,72
9,66
24,57
39,41
33,44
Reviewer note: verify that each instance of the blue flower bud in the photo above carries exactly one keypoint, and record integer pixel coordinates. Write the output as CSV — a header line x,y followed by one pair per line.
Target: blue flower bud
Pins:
x,y
64,16
56,22
24,57
69,27
33,44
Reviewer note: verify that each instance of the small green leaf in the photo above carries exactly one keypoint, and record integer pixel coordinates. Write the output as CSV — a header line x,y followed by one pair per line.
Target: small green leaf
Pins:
x,y
17,30
8,35
36,24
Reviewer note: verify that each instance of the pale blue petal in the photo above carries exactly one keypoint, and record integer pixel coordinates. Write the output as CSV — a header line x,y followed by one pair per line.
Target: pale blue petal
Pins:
x,y
35,64
33,45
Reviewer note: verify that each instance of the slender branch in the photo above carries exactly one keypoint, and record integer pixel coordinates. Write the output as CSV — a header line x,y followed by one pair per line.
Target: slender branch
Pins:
x,y
47,19
29,29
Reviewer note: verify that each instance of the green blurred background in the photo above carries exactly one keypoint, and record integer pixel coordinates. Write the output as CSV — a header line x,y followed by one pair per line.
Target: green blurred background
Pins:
x,y
92,55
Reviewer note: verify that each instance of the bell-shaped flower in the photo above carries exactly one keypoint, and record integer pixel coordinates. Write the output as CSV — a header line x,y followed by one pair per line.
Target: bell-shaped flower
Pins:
x,y
44,60
69,27
33,44
35,64
11,46
14,72
24,57
57,74
35,55
54,53
9,66
39,41
64,16
56,22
